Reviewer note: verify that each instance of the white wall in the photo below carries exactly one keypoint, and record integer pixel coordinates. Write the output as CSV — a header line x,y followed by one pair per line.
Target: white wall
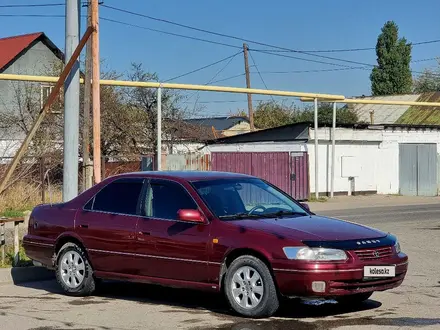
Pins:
x,y
257,147
376,157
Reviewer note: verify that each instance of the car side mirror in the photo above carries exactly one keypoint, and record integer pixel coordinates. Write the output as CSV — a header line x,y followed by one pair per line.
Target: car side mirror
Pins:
x,y
306,206
190,216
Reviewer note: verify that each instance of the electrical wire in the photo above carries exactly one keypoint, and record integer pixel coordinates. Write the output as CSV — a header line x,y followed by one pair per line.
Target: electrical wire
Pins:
x,y
170,33
350,49
32,5
261,77
203,67
235,37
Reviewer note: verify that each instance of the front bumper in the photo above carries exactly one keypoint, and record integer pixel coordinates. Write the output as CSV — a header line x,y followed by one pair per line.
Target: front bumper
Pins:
x,y
340,279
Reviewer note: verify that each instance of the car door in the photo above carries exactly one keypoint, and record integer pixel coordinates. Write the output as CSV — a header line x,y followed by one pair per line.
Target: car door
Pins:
x,y
107,226
180,248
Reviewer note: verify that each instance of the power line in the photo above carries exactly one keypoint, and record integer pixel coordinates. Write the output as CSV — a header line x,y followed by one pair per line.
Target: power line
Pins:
x,y
228,78
203,67
169,33
235,37
32,15
216,74
350,49
261,77
32,5
364,65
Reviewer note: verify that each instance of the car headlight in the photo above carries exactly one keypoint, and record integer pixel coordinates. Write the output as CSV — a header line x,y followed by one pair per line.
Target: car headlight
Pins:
x,y
397,247
314,254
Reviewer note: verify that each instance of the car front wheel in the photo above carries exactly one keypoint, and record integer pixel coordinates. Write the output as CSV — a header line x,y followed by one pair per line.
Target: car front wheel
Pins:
x,y
250,289
74,272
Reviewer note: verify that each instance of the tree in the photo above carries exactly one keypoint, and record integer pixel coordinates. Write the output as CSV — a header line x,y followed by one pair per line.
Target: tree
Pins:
x,y
392,75
344,115
428,81
272,114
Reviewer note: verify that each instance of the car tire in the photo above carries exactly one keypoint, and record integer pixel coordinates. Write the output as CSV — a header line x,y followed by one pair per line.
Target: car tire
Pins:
x,y
354,299
258,296
75,277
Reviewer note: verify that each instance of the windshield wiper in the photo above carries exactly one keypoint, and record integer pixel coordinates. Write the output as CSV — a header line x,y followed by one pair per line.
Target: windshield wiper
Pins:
x,y
283,213
242,215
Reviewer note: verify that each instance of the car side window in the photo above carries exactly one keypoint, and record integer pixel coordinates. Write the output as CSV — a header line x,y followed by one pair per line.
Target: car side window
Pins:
x,y
120,196
164,199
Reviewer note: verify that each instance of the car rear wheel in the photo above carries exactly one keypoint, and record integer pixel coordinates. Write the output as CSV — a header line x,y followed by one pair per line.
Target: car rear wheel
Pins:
x,y
250,289
354,299
74,272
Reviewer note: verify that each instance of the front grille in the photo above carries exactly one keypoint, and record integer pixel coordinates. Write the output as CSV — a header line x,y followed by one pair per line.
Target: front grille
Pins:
x,y
374,254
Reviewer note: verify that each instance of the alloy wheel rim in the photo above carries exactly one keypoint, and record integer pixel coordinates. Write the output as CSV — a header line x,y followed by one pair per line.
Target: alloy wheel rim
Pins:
x,y
247,287
72,269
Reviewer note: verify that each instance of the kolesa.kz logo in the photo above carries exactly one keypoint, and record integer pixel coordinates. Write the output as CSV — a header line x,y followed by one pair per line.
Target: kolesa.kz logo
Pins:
x,y
376,271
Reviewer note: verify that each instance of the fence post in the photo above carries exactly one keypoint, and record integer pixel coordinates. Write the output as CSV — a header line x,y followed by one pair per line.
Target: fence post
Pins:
x,y
16,243
2,241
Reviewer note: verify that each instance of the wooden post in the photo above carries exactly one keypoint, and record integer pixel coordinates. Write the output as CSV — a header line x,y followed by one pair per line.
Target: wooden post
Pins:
x,y
248,85
43,190
44,110
96,101
16,243
2,241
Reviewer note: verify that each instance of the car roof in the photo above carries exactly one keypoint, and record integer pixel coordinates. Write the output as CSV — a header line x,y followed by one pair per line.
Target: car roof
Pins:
x,y
186,175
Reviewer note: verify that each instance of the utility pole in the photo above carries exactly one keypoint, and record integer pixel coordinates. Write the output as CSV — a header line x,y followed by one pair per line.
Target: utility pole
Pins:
x,y
71,104
248,85
87,174
95,93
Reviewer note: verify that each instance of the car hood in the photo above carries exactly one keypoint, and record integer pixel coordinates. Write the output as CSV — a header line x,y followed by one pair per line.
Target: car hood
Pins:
x,y
313,228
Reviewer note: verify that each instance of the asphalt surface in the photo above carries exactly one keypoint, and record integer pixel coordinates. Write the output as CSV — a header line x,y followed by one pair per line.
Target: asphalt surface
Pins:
x,y
414,305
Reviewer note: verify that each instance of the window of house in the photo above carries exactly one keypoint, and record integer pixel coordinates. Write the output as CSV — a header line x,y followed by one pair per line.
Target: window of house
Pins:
x,y
120,196
165,199
45,92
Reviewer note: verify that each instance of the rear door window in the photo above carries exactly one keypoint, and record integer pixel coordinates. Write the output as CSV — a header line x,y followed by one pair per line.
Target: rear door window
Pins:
x,y
120,196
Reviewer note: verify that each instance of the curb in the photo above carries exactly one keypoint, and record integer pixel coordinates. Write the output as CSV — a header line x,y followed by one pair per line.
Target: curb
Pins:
x,y
25,274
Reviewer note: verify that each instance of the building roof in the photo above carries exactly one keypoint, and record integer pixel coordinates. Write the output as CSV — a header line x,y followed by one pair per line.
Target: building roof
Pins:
x,y
292,132
219,123
399,114
12,47
416,115
382,114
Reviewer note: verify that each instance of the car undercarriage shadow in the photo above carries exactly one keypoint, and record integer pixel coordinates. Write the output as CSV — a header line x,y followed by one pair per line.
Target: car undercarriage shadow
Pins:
x,y
179,300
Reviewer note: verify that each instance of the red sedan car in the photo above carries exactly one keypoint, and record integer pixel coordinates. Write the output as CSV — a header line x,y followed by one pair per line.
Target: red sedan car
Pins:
x,y
211,231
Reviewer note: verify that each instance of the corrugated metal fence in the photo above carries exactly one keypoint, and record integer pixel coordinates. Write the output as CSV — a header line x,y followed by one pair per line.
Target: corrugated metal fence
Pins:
x,y
288,171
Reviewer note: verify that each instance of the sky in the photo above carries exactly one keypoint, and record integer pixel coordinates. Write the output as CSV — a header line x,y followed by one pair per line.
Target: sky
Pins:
x,y
298,25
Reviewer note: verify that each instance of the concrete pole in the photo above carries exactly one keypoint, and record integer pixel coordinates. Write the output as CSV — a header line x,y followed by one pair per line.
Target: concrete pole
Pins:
x,y
316,150
332,183
159,129
71,104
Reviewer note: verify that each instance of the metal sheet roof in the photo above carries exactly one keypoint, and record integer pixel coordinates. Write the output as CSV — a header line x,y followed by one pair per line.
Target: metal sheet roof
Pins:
x,y
416,115
219,123
383,114
11,47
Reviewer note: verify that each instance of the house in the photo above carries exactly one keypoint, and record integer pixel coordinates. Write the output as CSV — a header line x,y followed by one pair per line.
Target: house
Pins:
x,y
29,54
223,126
369,159
399,114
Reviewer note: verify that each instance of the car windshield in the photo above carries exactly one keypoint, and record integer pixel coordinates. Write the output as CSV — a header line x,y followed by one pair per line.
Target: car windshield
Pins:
x,y
242,198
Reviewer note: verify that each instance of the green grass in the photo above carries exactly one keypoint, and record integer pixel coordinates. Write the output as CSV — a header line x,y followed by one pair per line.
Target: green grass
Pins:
x,y
9,258
10,213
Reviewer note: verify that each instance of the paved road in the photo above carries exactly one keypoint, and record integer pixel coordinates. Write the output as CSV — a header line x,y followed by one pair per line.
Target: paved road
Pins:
x,y
117,306
395,214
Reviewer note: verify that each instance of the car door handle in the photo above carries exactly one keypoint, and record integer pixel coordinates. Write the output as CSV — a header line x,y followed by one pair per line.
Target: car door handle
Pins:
x,y
146,233
84,226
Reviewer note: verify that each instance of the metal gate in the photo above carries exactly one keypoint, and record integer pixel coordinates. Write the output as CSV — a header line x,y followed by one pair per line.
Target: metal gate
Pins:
x,y
287,171
418,169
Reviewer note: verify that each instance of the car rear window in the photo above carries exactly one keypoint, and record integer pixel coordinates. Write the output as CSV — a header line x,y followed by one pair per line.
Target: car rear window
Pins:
x,y
121,196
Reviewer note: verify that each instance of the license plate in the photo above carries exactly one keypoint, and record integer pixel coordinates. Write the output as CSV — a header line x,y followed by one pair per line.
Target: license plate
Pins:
x,y
379,271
